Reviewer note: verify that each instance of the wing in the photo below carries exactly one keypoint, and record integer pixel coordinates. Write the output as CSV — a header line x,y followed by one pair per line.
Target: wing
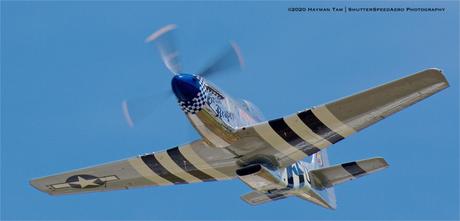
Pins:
x,y
191,163
286,140
333,175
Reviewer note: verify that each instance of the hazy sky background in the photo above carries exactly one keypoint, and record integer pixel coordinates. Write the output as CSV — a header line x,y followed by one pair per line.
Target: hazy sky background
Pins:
x,y
66,67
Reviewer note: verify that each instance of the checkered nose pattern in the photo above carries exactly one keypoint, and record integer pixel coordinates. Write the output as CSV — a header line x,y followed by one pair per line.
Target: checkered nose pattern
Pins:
x,y
190,92
195,105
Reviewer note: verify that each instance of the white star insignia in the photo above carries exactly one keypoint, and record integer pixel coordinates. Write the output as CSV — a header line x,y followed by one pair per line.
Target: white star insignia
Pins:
x,y
84,182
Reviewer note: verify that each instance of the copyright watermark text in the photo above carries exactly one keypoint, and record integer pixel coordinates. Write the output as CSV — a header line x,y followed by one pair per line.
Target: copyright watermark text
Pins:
x,y
363,9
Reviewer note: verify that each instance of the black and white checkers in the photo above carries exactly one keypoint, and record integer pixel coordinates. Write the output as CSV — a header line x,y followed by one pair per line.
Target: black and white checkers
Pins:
x,y
197,103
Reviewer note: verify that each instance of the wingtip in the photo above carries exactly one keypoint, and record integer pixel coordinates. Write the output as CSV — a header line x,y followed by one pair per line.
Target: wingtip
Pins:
x,y
35,184
438,74
383,161
435,69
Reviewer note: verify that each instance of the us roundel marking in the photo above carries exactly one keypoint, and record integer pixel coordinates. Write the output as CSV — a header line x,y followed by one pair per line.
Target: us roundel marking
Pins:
x,y
84,181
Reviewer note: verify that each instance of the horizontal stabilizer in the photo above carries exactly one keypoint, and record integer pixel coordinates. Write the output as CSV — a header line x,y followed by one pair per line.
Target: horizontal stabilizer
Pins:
x,y
316,198
256,198
329,176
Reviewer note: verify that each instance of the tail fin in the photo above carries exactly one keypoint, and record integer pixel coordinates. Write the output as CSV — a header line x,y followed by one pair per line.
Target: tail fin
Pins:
x,y
320,160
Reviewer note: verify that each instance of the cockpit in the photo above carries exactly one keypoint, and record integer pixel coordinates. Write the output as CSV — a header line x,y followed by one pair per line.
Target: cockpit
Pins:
x,y
253,110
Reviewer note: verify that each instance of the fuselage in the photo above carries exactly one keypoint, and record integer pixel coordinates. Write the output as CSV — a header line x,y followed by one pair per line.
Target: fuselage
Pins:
x,y
216,115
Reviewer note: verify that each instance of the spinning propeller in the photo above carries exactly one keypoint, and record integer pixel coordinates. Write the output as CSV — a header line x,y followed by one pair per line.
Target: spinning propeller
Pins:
x,y
137,109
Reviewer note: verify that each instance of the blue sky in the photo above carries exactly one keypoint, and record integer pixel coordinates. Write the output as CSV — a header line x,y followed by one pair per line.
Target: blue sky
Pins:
x,y
66,67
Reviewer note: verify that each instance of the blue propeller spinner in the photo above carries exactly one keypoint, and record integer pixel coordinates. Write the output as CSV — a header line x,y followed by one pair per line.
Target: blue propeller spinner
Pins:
x,y
190,92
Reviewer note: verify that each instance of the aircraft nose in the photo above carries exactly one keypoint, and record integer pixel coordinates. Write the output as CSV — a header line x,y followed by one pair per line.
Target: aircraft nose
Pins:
x,y
186,87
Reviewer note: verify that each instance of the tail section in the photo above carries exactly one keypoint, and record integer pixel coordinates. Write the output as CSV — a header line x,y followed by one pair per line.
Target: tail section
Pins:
x,y
327,177
321,160
256,198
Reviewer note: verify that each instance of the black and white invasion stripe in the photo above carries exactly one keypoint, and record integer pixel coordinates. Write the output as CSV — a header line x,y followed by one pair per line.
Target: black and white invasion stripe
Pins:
x,y
173,167
315,124
354,169
285,132
303,134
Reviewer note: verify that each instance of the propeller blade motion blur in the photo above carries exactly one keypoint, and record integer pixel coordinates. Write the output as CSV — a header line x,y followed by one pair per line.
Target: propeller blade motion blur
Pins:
x,y
137,109
165,41
229,59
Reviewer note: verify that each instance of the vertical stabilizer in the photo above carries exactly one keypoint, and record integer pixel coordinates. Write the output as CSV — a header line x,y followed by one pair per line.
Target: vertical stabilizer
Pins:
x,y
320,160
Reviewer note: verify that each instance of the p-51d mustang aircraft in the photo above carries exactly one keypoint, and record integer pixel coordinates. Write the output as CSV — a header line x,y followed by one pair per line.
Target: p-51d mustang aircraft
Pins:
x,y
236,142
